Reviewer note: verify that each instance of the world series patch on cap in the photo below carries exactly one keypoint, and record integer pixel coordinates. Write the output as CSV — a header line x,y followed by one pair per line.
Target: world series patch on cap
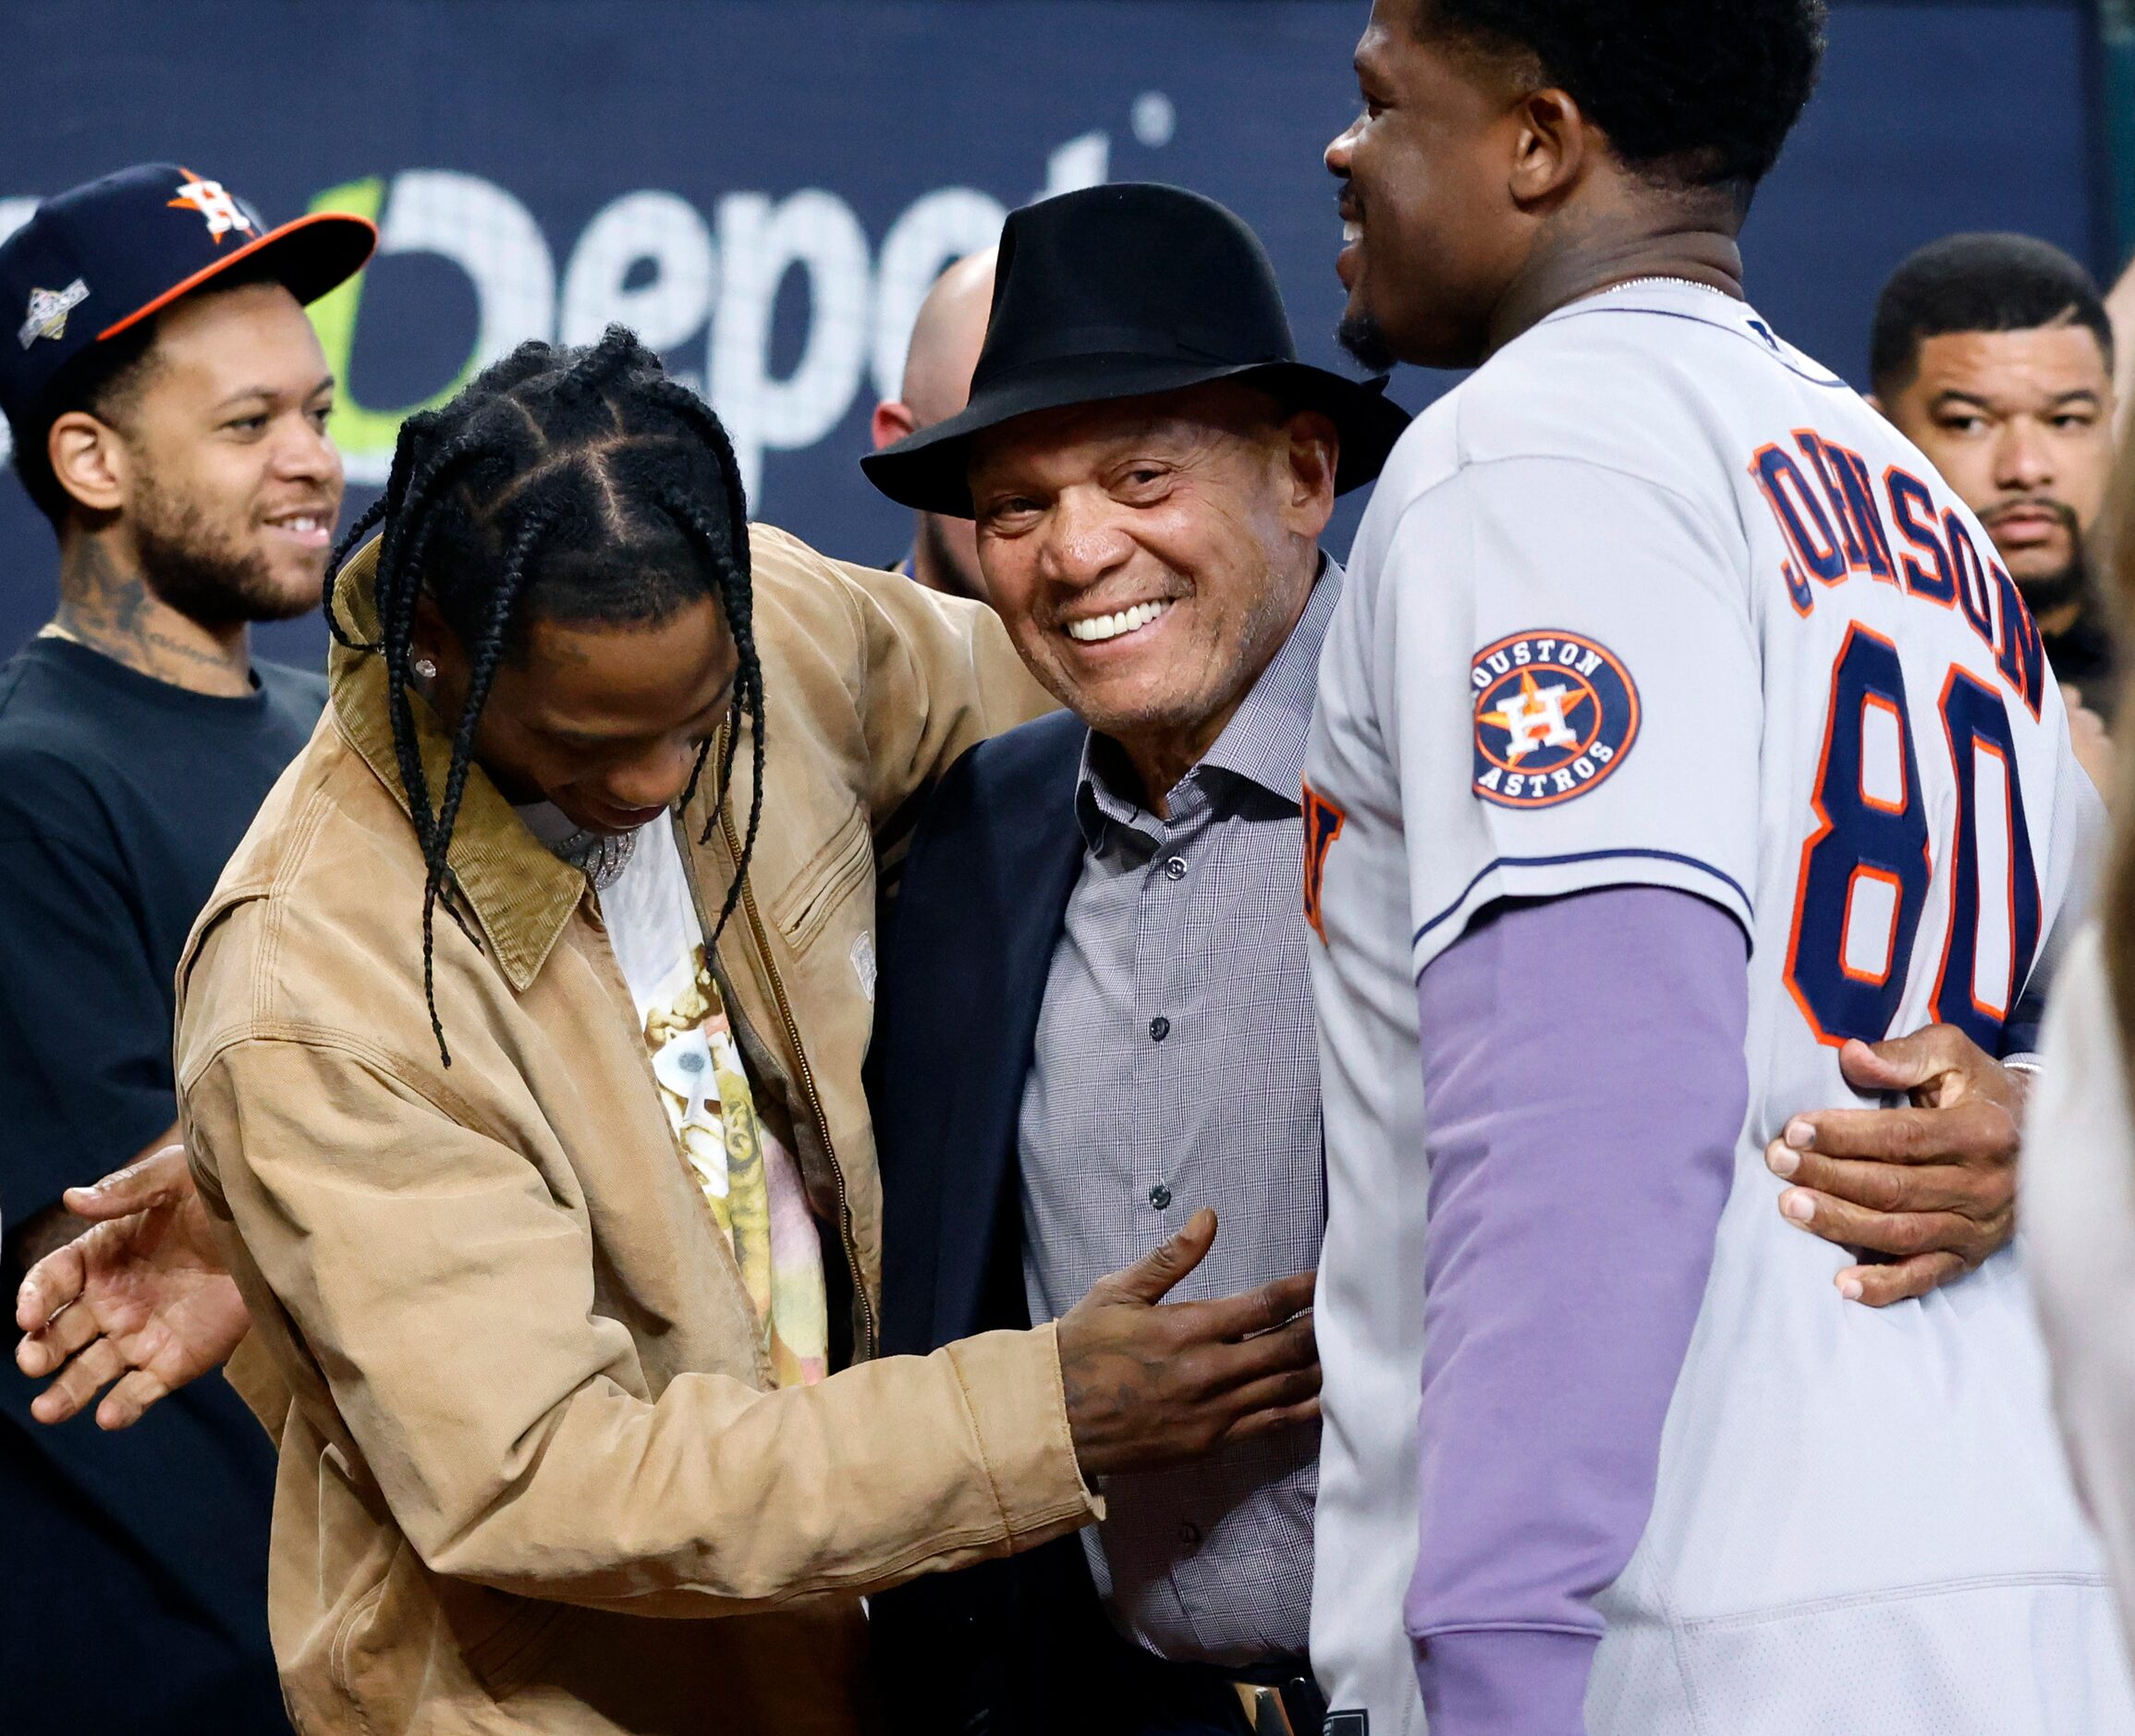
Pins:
x,y
95,260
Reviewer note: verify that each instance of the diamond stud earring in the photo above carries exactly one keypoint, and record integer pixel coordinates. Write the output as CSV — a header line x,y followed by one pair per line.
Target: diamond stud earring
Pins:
x,y
425,669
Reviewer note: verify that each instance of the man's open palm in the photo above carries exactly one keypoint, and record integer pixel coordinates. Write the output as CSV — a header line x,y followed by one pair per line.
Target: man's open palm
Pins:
x,y
140,1297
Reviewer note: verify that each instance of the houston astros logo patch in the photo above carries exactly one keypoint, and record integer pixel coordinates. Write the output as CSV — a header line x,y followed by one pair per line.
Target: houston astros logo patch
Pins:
x,y
216,206
1555,714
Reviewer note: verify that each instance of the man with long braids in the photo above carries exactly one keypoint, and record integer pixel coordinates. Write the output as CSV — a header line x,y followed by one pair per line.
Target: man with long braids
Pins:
x,y
519,1055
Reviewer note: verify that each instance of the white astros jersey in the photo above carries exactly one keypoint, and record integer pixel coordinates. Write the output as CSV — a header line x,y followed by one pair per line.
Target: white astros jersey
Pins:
x,y
1653,599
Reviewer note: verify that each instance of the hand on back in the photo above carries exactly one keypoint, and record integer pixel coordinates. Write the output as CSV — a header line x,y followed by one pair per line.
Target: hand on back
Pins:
x,y
1932,1185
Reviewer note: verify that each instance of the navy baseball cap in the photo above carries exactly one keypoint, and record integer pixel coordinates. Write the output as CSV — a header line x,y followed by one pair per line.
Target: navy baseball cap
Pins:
x,y
95,260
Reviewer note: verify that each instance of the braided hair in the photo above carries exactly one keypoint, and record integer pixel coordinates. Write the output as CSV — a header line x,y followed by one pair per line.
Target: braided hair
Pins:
x,y
577,486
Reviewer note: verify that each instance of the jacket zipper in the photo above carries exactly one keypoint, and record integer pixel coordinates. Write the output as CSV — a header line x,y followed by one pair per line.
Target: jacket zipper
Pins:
x,y
869,1332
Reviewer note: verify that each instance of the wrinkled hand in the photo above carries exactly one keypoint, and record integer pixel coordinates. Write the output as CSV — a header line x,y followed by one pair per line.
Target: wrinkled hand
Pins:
x,y
2092,746
1934,1184
140,1297
1151,1385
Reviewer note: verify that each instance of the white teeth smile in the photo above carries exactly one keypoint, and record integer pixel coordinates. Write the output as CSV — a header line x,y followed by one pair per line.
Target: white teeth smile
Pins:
x,y
1103,627
1352,232
310,529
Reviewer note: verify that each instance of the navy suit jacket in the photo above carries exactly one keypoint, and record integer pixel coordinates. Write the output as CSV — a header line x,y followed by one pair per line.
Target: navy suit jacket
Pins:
x,y
1016,1646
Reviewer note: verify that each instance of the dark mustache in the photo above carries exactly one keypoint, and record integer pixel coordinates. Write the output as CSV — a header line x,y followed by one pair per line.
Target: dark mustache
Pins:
x,y
2037,503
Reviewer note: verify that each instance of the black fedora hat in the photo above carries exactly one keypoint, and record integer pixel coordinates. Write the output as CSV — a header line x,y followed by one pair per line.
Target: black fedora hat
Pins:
x,y
1121,291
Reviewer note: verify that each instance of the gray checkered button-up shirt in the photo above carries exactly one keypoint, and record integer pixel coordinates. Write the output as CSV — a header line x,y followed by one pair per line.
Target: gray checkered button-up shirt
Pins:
x,y
1176,1067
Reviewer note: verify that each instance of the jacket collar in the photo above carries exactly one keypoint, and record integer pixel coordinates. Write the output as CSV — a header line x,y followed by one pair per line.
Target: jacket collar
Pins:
x,y
519,894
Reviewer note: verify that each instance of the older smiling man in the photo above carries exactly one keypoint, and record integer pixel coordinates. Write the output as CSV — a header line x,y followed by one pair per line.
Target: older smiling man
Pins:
x,y
1094,1015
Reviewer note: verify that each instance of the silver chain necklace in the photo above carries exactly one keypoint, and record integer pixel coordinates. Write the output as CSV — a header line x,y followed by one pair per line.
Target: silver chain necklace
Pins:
x,y
601,858
1648,283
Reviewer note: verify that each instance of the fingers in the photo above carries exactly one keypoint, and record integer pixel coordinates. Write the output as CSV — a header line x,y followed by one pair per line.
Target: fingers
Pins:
x,y
78,1382
155,1180
130,1400
38,1354
1151,1278
1975,1132
1261,1423
1214,1368
49,1286
1281,1392
1879,1285
1908,1062
1897,1064
1280,1398
1251,1311
1979,1192
55,1404
1287,1398
1902,1233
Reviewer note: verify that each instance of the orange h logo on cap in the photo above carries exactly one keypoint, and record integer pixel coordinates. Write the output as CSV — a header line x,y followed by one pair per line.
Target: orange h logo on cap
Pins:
x,y
214,203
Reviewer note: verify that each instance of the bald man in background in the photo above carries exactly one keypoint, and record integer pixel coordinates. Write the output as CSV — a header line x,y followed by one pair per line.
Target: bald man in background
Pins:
x,y
945,339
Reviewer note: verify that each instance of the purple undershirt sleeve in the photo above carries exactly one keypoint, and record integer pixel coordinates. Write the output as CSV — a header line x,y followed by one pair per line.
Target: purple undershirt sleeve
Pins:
x,y
1584,1087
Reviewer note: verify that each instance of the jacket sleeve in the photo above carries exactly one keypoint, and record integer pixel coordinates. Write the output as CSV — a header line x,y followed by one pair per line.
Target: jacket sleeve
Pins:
x,y
446,1297
254,1378
937,676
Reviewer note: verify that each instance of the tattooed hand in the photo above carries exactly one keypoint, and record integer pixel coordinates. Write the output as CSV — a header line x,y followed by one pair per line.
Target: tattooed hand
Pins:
x,y
1151,1384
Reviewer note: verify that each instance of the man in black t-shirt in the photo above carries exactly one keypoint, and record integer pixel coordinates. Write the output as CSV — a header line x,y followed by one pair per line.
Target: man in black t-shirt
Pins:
x,y
168,401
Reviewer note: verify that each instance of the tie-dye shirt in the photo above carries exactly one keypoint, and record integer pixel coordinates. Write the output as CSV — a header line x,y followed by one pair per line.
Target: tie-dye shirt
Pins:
x,y
751,1182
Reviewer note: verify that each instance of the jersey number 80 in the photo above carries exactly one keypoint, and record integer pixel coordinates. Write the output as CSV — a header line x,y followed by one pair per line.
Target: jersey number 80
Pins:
x,y
1867,868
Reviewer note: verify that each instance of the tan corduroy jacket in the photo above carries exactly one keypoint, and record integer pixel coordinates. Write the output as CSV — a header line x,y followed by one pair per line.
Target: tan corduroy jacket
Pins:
x,y
507,1352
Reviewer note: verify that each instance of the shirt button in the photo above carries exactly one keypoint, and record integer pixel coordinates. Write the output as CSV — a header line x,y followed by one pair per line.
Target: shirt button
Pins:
x,y
1190,1534
1175,868
690,1061
1159,1028
1160,1196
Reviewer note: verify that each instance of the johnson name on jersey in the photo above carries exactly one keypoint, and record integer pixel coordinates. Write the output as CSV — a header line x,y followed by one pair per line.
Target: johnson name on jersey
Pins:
x,y
1653,599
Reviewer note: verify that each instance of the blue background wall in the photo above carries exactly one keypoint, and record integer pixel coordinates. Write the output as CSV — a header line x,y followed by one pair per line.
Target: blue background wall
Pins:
x,y
542,166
